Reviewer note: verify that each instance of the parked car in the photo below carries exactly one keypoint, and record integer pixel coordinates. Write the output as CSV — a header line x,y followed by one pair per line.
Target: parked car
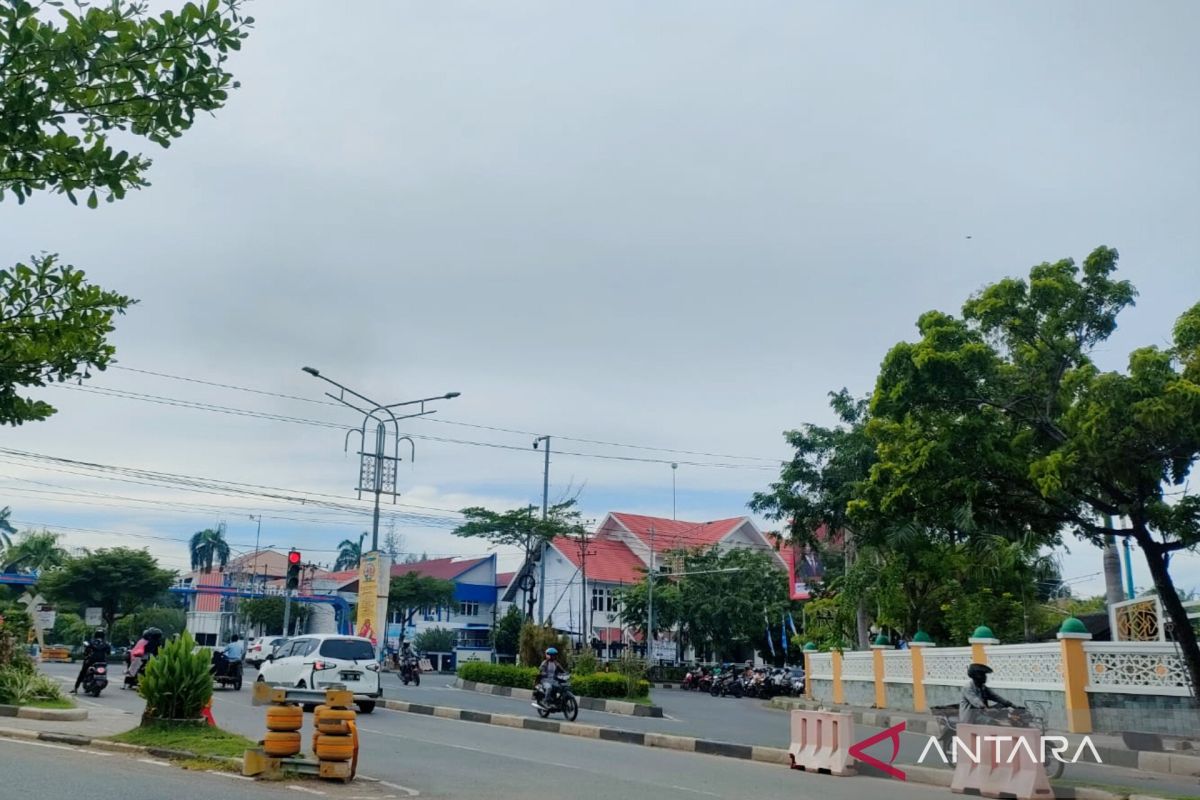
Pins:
x,y
321,660
258,649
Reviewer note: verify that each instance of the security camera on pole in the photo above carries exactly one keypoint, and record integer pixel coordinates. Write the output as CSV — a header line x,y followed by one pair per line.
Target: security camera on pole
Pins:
x,y
377,475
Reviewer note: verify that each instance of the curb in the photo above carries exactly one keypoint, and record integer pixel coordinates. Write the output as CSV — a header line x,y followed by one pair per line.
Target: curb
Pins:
x,y
765,755
587,703
113,747
30,712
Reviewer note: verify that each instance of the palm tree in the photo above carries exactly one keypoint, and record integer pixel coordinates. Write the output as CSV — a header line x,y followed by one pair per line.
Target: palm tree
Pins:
x,y
349,555
208,547
6,528
35,552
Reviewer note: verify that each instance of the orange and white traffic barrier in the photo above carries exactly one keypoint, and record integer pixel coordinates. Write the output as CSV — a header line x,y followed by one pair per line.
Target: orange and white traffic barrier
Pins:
x,y
821,742
996,761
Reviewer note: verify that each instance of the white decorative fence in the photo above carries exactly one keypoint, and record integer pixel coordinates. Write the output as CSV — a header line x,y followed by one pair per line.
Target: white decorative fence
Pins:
x,y
1025,666
1136,668
897,666
821,666
947,666
858,666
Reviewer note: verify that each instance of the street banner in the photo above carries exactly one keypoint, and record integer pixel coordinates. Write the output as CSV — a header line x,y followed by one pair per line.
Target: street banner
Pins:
x,y
806,572
374,581
93,616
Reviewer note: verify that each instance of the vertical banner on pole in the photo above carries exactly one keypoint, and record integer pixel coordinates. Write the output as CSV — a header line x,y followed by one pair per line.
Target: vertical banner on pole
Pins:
x,y
374,580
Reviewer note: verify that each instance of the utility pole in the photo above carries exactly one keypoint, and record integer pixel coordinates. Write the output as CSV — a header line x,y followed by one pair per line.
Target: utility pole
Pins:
x,y
674,467
650,602
545,510
377,469
585,605
1113,591
257,538
287,610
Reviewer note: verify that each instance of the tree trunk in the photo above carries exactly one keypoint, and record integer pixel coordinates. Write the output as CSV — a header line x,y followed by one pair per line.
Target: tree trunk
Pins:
x,y
860,612
1113,591
1185,635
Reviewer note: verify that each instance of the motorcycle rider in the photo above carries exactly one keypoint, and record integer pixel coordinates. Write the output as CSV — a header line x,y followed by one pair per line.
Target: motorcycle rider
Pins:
x,y
977,699
94,652
548,674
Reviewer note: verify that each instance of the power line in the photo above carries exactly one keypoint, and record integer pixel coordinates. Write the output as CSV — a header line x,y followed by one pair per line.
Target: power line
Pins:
x,y
442,421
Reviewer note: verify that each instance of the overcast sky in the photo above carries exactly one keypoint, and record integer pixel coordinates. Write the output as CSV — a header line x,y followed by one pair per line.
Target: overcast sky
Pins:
x,y
672,224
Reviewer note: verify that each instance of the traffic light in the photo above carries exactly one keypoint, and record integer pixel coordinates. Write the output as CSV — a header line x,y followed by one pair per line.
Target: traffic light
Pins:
x,y
293,573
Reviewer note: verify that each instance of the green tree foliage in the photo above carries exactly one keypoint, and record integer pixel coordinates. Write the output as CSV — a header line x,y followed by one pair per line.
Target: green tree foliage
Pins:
x,y
506,637
999,421
208,548
436,640
128,629
522,528
69,629
412,591
53,328
71,82
178,682
349,555
6,528
118,580
719,603
72,79
267,613
535,639
34,551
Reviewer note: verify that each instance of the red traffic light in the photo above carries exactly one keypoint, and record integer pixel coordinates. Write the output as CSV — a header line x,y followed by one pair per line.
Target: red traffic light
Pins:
x,y
294,557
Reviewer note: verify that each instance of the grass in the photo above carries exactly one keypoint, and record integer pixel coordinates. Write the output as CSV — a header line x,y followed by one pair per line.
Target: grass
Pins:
x,y
207,765
62,702
203,741
641,701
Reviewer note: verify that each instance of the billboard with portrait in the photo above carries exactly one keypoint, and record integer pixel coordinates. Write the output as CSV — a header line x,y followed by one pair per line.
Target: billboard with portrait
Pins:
x,y
807,572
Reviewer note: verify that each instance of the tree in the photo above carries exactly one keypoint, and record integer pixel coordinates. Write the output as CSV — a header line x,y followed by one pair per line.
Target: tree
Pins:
x,y
128,629
1001,416
506,637
267,613
393,543
6,528
208,547
349,555
436,640
412,591
522,528
118,580
68,81
34,552
815,488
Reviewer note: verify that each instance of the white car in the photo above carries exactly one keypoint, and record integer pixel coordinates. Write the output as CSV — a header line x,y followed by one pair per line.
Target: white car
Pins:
x,y
258,649
321,660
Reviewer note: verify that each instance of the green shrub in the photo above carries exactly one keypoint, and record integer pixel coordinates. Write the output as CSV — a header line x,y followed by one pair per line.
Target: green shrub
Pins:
x,y
633,670
534,641
584,663
498,674
178,681
19,687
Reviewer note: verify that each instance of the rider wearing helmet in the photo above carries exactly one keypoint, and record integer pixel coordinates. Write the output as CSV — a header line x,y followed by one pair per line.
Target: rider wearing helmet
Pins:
x,y
977,698
548,672
154,641
94,652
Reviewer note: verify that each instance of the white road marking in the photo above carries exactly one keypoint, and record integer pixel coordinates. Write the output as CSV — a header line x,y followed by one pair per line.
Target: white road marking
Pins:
x,y
155,763
58,747
228,775
697,791
304,789
399,788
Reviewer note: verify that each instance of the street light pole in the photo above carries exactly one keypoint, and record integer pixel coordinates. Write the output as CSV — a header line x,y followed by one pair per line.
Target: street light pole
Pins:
x,y
377,469
545,510
650,602
674,467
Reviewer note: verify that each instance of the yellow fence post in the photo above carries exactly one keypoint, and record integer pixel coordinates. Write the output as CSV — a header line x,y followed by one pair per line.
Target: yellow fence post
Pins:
x,y
838,696
877,647
1072,635
982,637
917,649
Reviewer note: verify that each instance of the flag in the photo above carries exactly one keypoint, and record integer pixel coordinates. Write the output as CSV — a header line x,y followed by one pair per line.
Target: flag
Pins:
x,y
783,635
792,623
770,639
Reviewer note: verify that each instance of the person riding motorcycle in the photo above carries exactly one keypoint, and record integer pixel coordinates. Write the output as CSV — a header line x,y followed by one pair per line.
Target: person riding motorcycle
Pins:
x,y
548,674
94,652
977,699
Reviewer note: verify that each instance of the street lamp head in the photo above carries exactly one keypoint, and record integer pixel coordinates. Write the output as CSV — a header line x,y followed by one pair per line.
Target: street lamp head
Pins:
x,y
451,395
535,443
311,371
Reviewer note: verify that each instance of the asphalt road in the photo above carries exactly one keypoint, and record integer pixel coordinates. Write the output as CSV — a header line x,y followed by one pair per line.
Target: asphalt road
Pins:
x,y
448,758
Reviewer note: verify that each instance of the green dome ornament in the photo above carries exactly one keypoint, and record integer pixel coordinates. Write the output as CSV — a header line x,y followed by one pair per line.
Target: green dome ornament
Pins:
x,y
810,646
983,632
882,641
1073,625
922,637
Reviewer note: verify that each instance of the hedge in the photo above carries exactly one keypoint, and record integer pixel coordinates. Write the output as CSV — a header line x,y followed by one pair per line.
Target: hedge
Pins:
x,y
600,684
499,674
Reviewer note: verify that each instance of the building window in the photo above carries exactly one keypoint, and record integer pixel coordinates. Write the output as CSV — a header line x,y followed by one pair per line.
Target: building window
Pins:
x,y
474,638
468,609
603,600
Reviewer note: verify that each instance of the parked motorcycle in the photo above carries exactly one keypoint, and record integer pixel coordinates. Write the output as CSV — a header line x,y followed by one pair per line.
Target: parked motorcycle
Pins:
x,y
728,683
556,698
96,680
